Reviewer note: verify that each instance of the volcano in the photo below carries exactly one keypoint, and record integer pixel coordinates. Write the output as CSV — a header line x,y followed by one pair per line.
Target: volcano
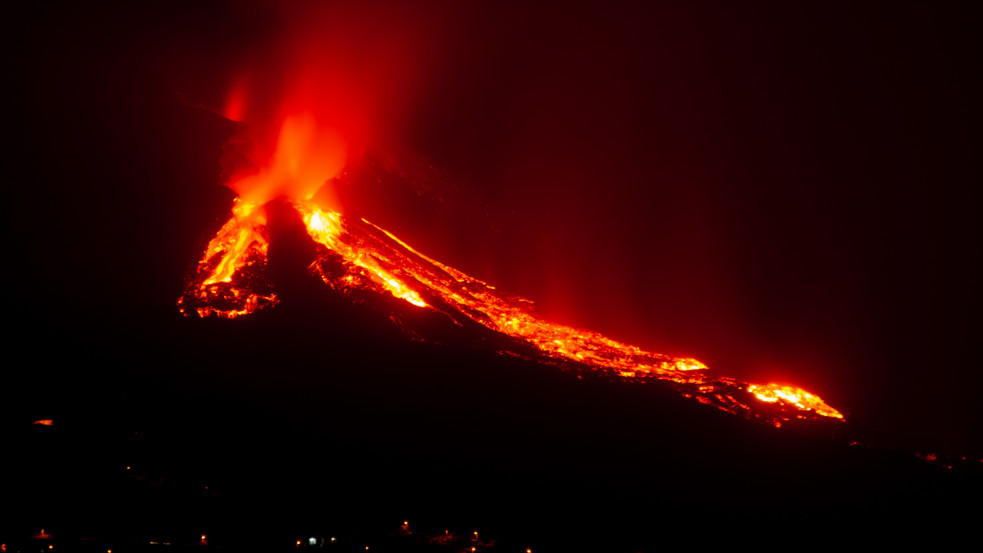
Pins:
x,y
315,393
360,260
806,171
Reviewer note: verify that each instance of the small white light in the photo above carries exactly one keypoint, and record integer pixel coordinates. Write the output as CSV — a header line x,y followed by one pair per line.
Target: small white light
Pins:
x,y
312,541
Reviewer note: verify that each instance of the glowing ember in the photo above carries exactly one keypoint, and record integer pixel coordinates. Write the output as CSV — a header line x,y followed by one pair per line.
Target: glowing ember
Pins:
x,y
374,259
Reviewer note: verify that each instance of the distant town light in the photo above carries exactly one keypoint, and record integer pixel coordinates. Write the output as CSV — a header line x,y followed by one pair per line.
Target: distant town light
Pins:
x,y
312,541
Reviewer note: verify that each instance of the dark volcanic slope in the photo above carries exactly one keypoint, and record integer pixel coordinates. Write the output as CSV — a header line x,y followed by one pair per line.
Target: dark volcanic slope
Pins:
x,y
320,416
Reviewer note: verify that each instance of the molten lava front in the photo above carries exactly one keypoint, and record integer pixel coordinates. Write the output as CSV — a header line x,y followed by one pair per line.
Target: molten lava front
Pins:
x,y
230,282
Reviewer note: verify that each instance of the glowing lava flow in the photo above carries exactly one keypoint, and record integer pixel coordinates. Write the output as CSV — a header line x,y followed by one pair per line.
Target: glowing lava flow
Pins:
x,y
229,280
802,399
396,267
229,283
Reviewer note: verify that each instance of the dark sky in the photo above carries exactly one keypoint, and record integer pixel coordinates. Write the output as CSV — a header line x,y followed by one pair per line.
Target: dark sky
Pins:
x,y
785,192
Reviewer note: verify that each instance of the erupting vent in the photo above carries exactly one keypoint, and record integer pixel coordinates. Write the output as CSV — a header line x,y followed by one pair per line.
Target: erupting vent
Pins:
x,y
230,282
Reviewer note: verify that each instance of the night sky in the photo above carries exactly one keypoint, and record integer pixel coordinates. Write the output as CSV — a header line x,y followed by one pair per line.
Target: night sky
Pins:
x,y
784,192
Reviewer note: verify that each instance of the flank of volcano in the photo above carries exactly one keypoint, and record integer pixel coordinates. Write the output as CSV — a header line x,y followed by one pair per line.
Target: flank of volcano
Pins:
x,y
357,256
